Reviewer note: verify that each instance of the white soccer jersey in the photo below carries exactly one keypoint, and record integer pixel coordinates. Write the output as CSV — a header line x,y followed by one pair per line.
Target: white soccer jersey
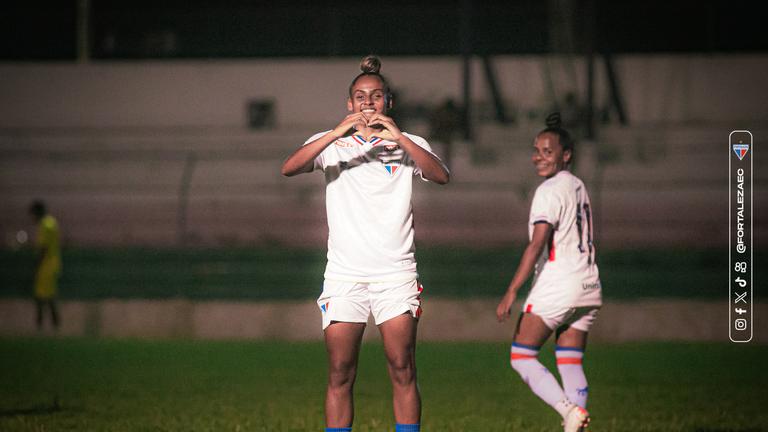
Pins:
x,y
566,273
368,205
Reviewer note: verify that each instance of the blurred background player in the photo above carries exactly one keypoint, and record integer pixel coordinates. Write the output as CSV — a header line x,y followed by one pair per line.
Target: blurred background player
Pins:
x,y
444,124
48,264
368,165
566,292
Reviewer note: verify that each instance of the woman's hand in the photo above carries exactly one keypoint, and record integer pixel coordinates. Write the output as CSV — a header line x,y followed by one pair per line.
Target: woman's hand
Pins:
x,y
302,160
539,239
505,306
356,121
389,131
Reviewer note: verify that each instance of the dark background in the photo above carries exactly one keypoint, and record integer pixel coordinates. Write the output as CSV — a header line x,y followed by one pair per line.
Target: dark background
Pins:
x,y
141,29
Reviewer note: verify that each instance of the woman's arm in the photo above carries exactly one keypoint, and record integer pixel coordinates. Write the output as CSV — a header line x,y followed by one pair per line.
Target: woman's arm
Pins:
x,y
302,159
539,239
432,168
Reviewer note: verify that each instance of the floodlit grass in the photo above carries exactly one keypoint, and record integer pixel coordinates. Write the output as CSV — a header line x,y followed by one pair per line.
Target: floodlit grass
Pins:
x,y
127,385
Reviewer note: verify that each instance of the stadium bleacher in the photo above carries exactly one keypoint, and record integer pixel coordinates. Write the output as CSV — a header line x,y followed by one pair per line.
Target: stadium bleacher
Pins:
x,y
222,187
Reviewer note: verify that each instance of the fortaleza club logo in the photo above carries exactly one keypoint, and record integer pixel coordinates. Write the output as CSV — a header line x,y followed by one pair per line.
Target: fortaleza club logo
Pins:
x,y
392,168
740,150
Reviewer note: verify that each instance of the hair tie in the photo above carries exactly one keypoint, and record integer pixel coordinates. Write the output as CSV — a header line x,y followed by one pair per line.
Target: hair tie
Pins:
x,y
553,120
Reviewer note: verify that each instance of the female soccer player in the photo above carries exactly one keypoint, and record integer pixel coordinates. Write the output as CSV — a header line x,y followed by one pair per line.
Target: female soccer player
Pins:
x,y
566,291
368,165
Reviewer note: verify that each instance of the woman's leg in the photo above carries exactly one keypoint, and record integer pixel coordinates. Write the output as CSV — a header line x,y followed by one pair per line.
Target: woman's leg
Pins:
x,y
54,313
531,330
399,337
569,352
342,342
39,315
530,335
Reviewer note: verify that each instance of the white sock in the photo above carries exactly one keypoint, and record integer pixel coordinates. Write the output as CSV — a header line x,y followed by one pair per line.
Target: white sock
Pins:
x,y
571,371
539,379
563,407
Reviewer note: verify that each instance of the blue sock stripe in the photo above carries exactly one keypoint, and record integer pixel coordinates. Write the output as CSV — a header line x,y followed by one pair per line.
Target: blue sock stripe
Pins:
x,y
344,429
407,427
560,348
530,347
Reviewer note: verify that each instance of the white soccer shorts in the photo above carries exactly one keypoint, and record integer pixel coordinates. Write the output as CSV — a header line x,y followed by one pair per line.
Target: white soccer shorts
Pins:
x,y
354,301
580,318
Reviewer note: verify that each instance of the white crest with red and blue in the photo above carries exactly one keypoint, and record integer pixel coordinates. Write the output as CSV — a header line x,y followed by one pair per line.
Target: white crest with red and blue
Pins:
x,y
740,150
392,168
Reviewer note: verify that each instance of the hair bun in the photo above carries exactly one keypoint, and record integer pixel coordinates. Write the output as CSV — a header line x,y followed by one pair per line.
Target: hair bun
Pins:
x,y
370,64
554,120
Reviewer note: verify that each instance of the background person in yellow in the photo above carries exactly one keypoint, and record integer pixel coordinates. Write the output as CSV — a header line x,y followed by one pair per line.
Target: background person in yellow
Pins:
x,y
48,262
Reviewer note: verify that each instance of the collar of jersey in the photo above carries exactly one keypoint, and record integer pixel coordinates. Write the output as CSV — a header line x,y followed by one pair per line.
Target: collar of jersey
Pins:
x,y
360,140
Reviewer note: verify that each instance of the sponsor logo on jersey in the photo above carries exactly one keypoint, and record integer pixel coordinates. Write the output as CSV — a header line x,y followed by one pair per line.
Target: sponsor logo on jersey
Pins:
x,y
341,143
590,285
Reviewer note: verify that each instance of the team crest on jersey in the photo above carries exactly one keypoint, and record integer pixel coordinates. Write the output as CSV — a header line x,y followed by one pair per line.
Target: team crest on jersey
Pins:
x,y
741,150
392,168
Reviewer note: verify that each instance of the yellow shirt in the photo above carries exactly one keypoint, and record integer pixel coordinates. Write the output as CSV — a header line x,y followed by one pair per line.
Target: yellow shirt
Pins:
x,y
48,243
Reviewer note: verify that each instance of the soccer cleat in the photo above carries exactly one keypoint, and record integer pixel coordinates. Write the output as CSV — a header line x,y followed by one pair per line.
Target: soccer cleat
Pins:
x,y
576,420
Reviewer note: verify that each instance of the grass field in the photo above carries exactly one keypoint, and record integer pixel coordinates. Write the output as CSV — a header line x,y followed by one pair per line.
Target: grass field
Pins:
x,y
127,385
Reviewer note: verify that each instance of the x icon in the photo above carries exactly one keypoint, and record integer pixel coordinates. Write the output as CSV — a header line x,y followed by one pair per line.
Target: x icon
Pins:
x,y
740,297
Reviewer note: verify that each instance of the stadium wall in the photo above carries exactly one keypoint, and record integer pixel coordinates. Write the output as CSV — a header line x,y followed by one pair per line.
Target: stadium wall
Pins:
x,y
159,154
656,88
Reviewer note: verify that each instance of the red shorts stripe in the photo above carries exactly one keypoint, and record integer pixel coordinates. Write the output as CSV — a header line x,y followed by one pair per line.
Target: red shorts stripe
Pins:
x,y
528,308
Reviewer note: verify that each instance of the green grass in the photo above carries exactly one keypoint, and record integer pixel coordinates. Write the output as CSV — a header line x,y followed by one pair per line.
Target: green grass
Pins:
x,y
127,385
284,273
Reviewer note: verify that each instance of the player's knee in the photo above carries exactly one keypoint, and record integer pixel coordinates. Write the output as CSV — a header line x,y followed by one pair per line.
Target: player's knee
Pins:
x,y
525,361
340,381
341,374
402,371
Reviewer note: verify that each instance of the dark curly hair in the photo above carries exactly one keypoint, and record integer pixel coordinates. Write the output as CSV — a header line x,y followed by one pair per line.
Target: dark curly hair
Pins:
x,y
554,126
371,66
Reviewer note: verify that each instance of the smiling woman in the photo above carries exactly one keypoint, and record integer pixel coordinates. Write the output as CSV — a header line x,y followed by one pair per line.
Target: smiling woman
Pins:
x,y
566,293
369,164
378,90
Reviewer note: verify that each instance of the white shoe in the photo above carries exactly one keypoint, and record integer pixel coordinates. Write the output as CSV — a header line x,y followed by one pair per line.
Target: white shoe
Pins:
x,y
576,420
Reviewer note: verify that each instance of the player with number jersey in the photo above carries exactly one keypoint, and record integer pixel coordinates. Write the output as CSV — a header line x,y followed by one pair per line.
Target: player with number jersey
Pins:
x,y
369,165
566,292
